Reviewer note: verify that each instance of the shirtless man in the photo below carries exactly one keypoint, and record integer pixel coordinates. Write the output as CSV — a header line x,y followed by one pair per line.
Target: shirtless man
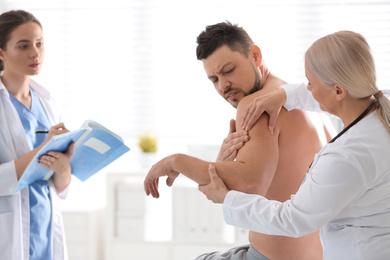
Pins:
x,y
268,164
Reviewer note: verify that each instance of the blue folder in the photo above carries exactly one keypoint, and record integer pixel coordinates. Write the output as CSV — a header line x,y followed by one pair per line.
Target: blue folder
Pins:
x,y
95,148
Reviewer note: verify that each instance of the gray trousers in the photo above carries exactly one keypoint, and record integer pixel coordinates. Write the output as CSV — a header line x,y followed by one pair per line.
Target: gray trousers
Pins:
x,y
246,252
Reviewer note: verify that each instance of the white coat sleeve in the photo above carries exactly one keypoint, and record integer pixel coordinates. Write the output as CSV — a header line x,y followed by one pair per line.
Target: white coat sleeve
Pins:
x,y
8,178
8,153
298,97
334,180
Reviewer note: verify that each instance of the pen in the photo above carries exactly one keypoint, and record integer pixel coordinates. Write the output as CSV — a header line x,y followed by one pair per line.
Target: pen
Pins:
x,y
42,131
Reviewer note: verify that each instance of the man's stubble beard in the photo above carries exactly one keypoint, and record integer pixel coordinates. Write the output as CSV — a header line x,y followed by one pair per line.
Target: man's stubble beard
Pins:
x,y
255,87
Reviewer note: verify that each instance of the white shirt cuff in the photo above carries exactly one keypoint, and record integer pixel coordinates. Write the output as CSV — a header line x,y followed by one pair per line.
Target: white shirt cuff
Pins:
x,y
290,90
227,203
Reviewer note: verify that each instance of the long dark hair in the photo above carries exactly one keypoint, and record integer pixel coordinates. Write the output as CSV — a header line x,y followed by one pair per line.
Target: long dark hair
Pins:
x,y
9,21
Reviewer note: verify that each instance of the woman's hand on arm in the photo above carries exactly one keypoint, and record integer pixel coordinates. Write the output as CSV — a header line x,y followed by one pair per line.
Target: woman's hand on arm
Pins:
x,y
271,103
232,143
216,189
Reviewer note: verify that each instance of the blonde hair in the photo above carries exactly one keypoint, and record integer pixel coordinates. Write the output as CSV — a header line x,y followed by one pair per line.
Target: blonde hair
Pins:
x,y
345,58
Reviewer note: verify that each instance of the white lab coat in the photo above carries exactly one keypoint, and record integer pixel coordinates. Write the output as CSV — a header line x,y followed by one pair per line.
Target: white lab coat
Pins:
x,y
14,208
346,193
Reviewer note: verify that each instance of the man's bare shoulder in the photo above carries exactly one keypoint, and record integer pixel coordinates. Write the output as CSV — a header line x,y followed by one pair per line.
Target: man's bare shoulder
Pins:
x,y
299,124
244,103
295,118
246,100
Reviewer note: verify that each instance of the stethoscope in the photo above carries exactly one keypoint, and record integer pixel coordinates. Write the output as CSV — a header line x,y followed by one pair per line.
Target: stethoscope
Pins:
x,y
365,112
355,121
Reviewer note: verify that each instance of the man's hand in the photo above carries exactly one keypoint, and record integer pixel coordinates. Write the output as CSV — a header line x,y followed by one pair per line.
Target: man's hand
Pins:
x,y
161,168
232,143
270,103
216,190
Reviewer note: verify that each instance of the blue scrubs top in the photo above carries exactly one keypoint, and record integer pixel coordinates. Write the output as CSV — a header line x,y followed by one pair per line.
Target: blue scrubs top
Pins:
x,y
40,205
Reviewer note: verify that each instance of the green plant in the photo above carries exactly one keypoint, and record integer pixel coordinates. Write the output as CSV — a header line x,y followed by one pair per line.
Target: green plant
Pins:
x,y
148,143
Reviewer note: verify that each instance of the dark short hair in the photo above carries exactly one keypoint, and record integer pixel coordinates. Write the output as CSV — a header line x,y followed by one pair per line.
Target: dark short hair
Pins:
x,y
225,33
9,21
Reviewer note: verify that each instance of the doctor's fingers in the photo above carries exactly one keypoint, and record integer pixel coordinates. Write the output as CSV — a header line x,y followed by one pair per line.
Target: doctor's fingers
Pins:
x,y
47,160
250,115
60,126
58,129
60,156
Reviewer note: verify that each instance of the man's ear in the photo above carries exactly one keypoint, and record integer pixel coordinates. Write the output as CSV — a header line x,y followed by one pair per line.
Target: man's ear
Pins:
x,y
340,92
255,53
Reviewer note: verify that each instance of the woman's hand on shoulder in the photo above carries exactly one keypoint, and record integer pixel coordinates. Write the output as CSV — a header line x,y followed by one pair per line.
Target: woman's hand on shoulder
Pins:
x,y
271,103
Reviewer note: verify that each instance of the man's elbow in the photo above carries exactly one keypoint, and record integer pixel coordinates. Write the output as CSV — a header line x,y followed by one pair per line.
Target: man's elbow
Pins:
x,y
257,186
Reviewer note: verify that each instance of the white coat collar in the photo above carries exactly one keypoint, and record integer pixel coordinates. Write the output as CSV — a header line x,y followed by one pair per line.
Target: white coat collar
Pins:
x,y
42,92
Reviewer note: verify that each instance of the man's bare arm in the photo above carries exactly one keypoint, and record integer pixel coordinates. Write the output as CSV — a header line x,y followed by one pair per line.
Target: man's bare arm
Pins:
x,y
232,143
252,172
256,161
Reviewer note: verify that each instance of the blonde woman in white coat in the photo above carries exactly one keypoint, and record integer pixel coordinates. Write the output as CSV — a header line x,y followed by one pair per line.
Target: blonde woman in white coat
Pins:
x,y
346,192
31,225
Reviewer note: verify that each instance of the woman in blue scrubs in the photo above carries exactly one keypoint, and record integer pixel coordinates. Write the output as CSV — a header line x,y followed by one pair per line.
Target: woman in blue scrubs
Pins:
x,y
31,225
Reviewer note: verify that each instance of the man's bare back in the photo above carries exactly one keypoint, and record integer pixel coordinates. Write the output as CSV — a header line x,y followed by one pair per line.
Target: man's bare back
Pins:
x,y
298,140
